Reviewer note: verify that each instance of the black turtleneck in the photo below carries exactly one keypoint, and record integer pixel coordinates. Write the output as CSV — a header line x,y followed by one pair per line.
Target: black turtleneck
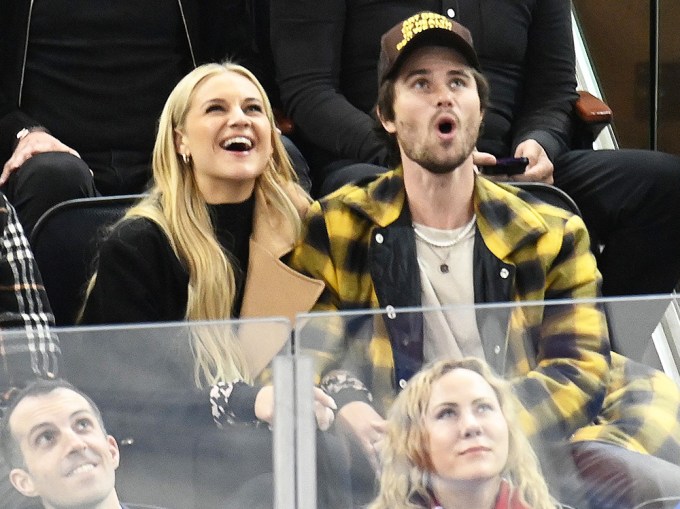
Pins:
x,y
233,224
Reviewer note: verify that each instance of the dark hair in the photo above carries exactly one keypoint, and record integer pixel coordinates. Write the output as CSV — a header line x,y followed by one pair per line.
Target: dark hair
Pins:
x,y
9,448
385,106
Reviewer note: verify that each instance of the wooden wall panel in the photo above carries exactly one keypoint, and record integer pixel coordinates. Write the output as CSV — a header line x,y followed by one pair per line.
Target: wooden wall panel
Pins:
x,y
617,35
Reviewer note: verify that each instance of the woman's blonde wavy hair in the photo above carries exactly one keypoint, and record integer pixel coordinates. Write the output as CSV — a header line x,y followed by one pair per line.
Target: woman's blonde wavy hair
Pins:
x,y
176,205
406,463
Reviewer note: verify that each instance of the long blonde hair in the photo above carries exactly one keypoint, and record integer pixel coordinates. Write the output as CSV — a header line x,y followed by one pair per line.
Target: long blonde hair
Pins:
x,y
176,205
404,480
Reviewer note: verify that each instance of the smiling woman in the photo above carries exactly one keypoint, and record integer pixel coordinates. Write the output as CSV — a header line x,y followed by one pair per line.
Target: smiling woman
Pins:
x,y
454,441
228,137
208,240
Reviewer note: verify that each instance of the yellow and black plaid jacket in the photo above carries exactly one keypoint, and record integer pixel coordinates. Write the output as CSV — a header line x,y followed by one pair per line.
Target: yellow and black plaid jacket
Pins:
x,y
360,242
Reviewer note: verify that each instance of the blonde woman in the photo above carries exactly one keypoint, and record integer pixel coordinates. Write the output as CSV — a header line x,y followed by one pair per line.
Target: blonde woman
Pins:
x,y
207,241
453,441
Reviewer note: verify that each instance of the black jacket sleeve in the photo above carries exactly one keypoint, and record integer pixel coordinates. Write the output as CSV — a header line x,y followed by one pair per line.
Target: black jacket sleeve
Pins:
x,y
139,279
550,82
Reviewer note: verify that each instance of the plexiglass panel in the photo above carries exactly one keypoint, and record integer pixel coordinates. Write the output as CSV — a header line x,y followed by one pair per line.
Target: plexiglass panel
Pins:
x,y
156,402
555,357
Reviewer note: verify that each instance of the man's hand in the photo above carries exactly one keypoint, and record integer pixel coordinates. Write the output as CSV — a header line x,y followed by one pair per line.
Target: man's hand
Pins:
x,y
539,169
483,159
36,142
323,407
359,421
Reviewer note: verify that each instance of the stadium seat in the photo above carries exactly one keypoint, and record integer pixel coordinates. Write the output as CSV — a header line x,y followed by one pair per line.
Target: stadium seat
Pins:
x,y
550,194
64,243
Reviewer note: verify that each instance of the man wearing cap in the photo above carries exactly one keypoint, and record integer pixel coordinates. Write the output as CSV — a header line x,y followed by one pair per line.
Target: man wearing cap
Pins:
x,y
432,232
326,64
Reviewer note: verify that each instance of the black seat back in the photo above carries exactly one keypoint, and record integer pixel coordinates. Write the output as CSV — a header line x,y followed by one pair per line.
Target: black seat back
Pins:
x,y
64,243
550,194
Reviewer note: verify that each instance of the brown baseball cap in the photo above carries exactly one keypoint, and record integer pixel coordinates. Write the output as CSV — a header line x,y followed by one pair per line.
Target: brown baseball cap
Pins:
x,y
423,29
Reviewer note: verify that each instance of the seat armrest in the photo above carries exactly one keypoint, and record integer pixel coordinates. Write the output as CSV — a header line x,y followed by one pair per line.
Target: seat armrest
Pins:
x,y
592,110
283,122
591,115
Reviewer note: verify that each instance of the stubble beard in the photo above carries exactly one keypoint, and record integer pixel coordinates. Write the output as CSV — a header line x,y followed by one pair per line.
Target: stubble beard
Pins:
x,y
457,154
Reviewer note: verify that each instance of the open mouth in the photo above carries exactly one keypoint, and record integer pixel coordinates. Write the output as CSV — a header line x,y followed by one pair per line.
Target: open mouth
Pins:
x,y
237,144
81,469
445,126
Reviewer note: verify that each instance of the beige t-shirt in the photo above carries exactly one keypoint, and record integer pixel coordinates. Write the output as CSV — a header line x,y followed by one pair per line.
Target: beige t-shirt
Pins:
x,y
446,274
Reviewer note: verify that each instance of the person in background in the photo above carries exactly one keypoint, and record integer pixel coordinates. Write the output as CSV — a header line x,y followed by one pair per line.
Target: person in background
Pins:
x,y
327,68
454,440
82,83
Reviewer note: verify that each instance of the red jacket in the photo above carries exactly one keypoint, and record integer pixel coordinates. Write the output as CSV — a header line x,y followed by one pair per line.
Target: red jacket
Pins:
x,y
507,499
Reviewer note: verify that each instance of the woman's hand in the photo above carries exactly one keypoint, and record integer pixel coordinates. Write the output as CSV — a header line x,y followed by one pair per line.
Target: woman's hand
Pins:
x,y
324,406
264,404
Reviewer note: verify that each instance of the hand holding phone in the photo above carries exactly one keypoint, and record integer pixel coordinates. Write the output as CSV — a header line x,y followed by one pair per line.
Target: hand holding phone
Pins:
x,y
506,166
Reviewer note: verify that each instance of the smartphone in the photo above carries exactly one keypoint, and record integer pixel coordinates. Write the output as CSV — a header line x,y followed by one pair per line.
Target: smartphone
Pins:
x,y
506,166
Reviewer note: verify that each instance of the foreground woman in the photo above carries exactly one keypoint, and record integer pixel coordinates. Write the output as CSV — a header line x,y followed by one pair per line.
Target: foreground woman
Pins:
x,y
454,441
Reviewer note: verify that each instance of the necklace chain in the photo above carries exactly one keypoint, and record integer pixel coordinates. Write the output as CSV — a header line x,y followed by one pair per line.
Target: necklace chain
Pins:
x,y
450,243
444,266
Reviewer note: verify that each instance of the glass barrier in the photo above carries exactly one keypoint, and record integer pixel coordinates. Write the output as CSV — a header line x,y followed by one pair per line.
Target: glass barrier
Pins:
x,y
173,455
144,381
662,503
554,355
